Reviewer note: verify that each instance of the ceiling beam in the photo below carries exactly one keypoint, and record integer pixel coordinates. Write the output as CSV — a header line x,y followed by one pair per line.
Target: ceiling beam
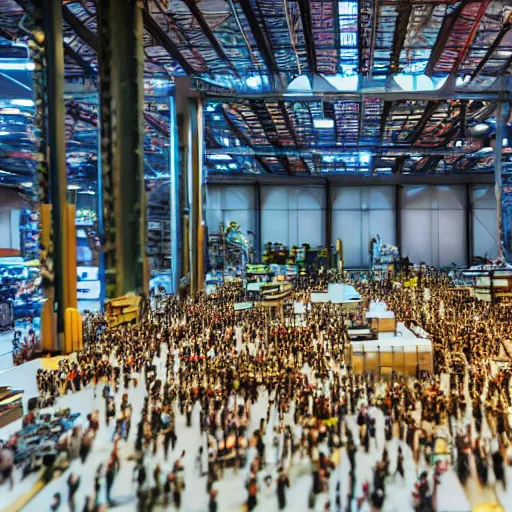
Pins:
x,y
158,33
384,151
425,117
86,67
469,40
80,29
244,140
499,38
285,162
444,35
402,23
309,38
293,132
354,178
260,37
198,15
399,164
360,95
386,110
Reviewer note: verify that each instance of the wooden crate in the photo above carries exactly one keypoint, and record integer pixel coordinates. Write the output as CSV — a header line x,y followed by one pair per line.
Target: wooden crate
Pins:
x,y
384,324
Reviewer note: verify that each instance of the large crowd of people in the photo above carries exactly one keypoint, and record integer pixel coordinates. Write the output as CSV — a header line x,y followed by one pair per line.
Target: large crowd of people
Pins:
x,y
197,358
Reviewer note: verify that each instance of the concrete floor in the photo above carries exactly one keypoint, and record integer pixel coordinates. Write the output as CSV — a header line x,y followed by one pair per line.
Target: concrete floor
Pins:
x,y
6,350
231,489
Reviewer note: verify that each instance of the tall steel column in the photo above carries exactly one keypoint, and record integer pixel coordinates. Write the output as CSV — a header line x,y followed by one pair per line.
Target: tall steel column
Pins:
x,y
498,148
257,225
121,59
52,13
189,108
175,197
328,220
398,217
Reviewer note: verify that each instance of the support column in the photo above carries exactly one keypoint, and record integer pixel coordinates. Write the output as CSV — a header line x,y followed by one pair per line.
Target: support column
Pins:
x,y
503,188
121,60
257,224
175,198
398,217
498,148
328,221
52,13
189,108
469,225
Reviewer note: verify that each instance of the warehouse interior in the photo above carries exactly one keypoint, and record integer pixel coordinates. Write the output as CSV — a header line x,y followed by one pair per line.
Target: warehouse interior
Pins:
x,y
317,166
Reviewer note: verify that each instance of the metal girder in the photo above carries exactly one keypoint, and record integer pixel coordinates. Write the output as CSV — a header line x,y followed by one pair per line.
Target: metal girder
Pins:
x,y
283,160
156,31
361,95
384,150
244,140
264,117
57,149
467,45
121,61
88,69
402,22
444,35
503,32
79,28
355,178
192,6
386,109
261,39
399,164
291,129
309,39
425,117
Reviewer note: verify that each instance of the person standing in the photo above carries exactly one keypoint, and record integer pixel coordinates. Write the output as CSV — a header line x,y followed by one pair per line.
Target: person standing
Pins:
x,y
73,484
282,483
110,476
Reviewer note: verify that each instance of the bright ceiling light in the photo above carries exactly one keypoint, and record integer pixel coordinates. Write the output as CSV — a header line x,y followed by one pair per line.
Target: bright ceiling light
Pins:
x,y
364,158
219,157
254,82
16,65
74,187
27,184
23,103
323,123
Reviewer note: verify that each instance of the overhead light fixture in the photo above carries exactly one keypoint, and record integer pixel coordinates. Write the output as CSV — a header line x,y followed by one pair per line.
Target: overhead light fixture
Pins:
x,y
323,123
74,187
219,157
254,82
4,133
23,103
16,65
27,184
364,158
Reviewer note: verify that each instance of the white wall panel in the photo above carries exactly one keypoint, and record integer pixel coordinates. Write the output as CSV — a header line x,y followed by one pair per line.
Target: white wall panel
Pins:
x,y
416,235
228,203
346,224
434,224
293,215
485,231
358,214
274,227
